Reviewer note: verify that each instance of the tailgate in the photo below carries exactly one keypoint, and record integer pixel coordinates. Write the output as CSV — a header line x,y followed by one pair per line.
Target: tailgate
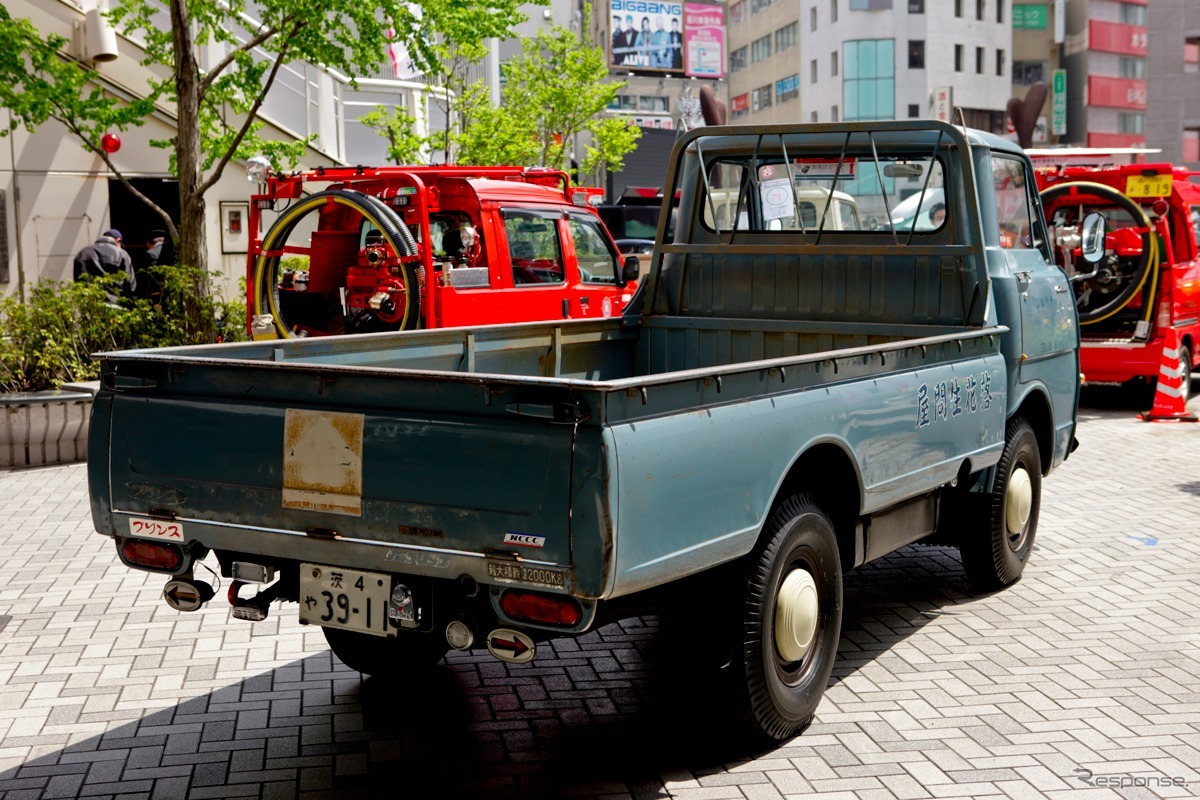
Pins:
x,y
443,466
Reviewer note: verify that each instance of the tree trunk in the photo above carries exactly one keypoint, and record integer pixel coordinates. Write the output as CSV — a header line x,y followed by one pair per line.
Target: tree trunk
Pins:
x,y
193,244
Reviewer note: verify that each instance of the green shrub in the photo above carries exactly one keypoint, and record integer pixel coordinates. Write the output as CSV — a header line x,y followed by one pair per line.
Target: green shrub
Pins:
x,y
47,340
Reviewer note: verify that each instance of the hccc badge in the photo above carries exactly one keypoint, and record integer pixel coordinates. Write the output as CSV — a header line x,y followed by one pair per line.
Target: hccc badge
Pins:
x,y
524,540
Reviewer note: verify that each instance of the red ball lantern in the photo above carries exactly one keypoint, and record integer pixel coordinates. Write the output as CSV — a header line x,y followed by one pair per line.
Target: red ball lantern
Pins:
x,y
110,142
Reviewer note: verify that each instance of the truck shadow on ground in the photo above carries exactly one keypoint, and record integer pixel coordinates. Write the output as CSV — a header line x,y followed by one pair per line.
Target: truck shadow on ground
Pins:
x,y
608,713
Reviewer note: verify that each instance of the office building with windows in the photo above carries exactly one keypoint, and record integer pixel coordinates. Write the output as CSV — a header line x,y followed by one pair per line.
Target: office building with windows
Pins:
x,y
829,60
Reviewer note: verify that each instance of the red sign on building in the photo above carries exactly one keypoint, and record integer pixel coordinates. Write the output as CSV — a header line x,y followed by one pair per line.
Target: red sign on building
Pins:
x,y
1113,37
1116,93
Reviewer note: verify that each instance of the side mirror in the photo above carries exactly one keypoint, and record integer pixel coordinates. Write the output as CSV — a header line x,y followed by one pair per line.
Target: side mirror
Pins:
x,y
630,269
1092,237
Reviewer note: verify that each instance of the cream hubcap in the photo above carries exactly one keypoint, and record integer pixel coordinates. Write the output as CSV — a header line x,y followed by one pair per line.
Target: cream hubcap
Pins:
x,y
1019,501
796,610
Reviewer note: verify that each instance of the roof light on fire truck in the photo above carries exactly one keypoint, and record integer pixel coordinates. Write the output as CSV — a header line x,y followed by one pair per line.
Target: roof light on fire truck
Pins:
x,y
257,168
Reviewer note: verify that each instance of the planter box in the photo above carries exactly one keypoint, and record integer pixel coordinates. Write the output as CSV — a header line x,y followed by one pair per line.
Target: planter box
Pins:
x,y
38,428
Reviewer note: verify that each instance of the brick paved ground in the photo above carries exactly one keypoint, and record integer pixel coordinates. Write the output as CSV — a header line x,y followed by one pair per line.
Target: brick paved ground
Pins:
x,y
1091,662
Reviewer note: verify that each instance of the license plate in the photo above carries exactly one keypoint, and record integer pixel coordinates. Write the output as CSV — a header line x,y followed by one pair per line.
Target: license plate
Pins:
x,y
166,529
336,597
1148,186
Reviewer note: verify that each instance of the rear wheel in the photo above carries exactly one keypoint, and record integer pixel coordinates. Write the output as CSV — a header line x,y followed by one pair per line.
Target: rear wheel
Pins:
x,y
1185,370
996,548
378,655
791,621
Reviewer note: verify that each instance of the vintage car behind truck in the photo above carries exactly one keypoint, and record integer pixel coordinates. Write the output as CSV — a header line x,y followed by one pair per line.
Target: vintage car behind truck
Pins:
x,y
781,403
374,249
1148,284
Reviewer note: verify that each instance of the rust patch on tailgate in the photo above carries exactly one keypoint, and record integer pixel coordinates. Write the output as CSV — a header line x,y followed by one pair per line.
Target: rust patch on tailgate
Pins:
x,y
322,461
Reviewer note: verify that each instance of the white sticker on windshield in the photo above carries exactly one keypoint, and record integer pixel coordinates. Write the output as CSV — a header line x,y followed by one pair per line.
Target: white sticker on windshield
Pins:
x,y
777,199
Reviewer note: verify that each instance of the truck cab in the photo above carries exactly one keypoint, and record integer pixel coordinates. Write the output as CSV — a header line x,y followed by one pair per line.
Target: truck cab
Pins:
x,y
401,248
1146,289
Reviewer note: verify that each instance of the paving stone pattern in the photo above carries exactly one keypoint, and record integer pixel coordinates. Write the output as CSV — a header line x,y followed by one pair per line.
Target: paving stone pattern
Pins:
x,y
1090,665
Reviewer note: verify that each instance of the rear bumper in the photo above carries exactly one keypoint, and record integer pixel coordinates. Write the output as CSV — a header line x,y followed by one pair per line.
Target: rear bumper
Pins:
x,y
1118,362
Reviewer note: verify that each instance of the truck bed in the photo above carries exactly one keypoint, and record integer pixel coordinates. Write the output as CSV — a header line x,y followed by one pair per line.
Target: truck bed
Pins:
x,y
458,427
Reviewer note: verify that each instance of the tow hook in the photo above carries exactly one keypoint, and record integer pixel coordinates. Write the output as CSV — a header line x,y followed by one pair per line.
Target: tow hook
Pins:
x,y
187,594
254,609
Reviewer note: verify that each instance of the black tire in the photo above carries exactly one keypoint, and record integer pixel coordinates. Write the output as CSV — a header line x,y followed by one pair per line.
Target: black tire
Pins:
x,y
1185,370
778,692
996,548
378,655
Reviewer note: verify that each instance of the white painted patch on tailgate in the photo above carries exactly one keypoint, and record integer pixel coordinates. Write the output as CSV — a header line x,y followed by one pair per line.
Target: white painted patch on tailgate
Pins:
x,y
322,461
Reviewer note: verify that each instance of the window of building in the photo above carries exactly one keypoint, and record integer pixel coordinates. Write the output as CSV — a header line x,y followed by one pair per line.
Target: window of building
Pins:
x,y
916,6
739,106
737,12
833,64
812,68
833,113
999,10
760,49
737,59
833,10
653,103
869,79
1132,14
760,98
870,5
1191,55
787,89
1027,73
758,5
812,18
958,8
1131,122
958,58
1000,62
1191,152
914,111
1131,67
813,117
916,54
978,60
786,37
979,10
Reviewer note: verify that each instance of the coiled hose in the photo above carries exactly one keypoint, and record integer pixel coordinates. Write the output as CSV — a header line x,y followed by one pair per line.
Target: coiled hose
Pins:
x,y
1148,265
265,285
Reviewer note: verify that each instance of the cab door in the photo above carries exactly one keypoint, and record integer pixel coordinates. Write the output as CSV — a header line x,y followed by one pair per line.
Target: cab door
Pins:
x,y
597,292
1048,319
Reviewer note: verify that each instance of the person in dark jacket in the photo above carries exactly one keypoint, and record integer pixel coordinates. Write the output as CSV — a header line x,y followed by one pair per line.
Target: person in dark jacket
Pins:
x,y
148,284
106,256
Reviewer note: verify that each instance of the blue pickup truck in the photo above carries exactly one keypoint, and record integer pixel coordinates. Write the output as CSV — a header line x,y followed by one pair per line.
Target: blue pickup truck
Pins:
x,y
788,396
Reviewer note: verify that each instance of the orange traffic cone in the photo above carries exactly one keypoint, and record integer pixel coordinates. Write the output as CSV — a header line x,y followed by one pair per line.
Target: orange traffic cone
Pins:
x,y
1170,398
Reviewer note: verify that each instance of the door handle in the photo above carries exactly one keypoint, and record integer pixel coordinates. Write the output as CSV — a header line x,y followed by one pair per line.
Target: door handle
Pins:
x,y
1024,278
1060,289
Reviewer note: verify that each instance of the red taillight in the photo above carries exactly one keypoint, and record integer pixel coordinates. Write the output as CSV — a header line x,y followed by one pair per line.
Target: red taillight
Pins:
x,y
546,608
153,555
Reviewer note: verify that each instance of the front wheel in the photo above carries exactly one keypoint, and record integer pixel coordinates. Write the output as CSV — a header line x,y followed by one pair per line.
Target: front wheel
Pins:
x,y
1185,371
791,621
379,655
996,548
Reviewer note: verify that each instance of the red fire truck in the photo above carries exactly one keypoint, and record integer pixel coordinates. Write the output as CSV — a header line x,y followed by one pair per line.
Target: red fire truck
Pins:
x,y
1149,280
357,250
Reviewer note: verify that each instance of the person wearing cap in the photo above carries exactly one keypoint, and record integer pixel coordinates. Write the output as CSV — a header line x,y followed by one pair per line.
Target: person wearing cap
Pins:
x,y
106,256
148,284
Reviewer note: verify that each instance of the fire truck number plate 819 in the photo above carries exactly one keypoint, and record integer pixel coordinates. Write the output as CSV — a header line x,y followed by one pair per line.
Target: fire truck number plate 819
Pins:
x,y
337,597
1148,186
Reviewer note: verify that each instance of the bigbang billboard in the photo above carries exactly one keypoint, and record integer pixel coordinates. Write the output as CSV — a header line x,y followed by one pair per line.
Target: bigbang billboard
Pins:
x,y
646,36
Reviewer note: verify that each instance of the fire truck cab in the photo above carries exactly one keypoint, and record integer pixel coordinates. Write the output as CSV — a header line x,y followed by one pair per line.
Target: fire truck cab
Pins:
x,y
1149,279
400,248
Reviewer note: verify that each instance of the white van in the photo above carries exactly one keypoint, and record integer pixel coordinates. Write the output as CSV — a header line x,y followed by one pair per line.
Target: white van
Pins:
x,y
811,201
